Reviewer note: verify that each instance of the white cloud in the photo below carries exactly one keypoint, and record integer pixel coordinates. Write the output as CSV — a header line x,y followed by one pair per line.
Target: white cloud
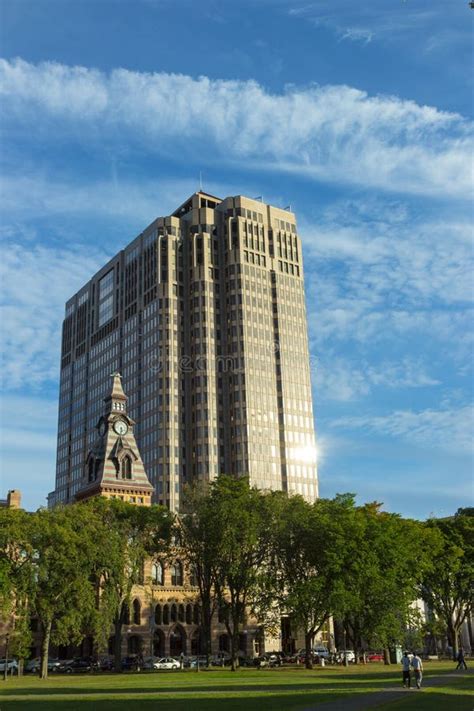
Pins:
x,y
333,133
449,429
37,281
375,271
342,379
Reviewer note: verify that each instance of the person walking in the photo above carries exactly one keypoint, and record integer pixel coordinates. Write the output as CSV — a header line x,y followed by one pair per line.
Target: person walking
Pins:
x,y
461,661
406,671
417,665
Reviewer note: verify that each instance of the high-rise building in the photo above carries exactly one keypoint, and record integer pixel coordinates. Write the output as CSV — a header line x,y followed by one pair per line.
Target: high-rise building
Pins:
x,y
203,314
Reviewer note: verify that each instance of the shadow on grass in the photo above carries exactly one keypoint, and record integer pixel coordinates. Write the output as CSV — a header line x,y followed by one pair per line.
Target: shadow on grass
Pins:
x,y
309,701
311,685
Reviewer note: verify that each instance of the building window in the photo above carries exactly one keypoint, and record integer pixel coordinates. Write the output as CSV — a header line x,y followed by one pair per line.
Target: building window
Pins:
x,y
176,574
136,612
126,468
158,615
157,573
193,577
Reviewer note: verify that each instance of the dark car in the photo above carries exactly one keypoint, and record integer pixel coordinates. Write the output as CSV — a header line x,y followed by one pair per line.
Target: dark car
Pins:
x,y
77,665
130,663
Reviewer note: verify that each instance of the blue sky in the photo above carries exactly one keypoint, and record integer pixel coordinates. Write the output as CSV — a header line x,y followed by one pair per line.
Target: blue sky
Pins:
x,y
358,114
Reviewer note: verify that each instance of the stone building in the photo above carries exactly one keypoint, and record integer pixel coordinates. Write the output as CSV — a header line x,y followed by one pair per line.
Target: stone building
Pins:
x,y
164,614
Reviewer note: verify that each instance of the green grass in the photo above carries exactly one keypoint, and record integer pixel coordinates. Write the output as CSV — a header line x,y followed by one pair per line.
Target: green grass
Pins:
x,y
245,690
459,697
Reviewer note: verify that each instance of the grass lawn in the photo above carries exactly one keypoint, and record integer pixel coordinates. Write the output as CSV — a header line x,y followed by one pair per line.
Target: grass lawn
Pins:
x,y
458,696
245,690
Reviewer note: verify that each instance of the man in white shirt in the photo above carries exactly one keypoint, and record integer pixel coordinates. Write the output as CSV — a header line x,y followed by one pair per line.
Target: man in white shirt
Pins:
x,y
417,665
406,670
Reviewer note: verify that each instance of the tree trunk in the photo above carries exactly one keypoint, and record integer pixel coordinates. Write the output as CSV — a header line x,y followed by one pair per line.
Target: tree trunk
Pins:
x,y
308,638
45,649
118,644
207,629
453,634
233,646
386,656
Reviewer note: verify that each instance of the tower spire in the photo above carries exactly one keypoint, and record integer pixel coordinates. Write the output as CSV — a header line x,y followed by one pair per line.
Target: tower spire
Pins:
x,y
116,399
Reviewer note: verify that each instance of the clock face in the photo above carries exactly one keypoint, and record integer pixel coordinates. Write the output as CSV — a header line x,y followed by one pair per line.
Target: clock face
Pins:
x,y
120,427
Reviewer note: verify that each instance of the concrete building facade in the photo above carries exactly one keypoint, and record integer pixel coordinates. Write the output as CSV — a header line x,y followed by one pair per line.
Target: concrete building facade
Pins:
x,y
203,314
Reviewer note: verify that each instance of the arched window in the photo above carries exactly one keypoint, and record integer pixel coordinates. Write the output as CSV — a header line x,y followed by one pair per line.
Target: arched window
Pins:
x,y
197,615
174,613
91,469
157,573
176,574
193,577
158,615
189,614
224,643
125,614
166,615
181,613
96,468
126,468
136,612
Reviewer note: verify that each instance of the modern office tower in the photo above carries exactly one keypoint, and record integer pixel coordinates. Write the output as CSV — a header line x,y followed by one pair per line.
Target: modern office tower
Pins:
x,y
203,314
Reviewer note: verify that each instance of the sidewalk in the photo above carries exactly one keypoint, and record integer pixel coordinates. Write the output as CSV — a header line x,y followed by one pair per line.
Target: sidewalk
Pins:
x,y
362,702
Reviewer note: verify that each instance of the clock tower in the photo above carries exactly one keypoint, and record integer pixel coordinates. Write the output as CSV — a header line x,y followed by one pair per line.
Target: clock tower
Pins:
x,y
114,467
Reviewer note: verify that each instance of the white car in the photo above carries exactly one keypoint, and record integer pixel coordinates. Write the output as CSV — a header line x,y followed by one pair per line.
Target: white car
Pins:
x,y
167,663
346,654
12,666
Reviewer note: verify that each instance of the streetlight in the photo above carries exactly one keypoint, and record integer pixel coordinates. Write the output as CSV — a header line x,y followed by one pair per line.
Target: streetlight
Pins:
x,y
5,668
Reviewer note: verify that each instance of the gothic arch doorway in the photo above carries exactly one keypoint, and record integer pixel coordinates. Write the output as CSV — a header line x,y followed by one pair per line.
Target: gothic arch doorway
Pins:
x,y
177,642
158,644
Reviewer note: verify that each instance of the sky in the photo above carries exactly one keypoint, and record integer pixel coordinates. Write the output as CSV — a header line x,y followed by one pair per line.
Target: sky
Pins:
x,y
359,115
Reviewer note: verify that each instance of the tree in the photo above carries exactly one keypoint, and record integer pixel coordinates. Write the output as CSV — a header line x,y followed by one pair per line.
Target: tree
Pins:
x,y
200,541
133,534
389,556
63,596
16,579
448,586
239,516
311,543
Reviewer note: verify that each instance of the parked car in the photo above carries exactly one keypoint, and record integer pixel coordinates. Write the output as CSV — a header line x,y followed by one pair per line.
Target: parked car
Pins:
x,y
375,657
192,662
76,665
321,651
344,654
221,659
167,663
33,665
106,663
11,664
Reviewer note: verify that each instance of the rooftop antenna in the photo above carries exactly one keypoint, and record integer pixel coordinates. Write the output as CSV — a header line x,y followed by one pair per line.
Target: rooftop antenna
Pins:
x,y
288,207
259,197
200,181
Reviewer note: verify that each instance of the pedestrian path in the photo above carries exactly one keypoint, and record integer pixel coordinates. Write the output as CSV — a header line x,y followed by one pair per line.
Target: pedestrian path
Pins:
x,y
364,702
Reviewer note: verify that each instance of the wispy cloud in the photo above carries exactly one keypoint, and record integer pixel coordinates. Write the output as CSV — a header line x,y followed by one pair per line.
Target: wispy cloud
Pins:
x,y
381,270
345,379
36,283
332,133
386,21
449,429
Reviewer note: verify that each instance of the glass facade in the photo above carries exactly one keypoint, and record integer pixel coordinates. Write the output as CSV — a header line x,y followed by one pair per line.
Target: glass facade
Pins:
x,y
204,316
